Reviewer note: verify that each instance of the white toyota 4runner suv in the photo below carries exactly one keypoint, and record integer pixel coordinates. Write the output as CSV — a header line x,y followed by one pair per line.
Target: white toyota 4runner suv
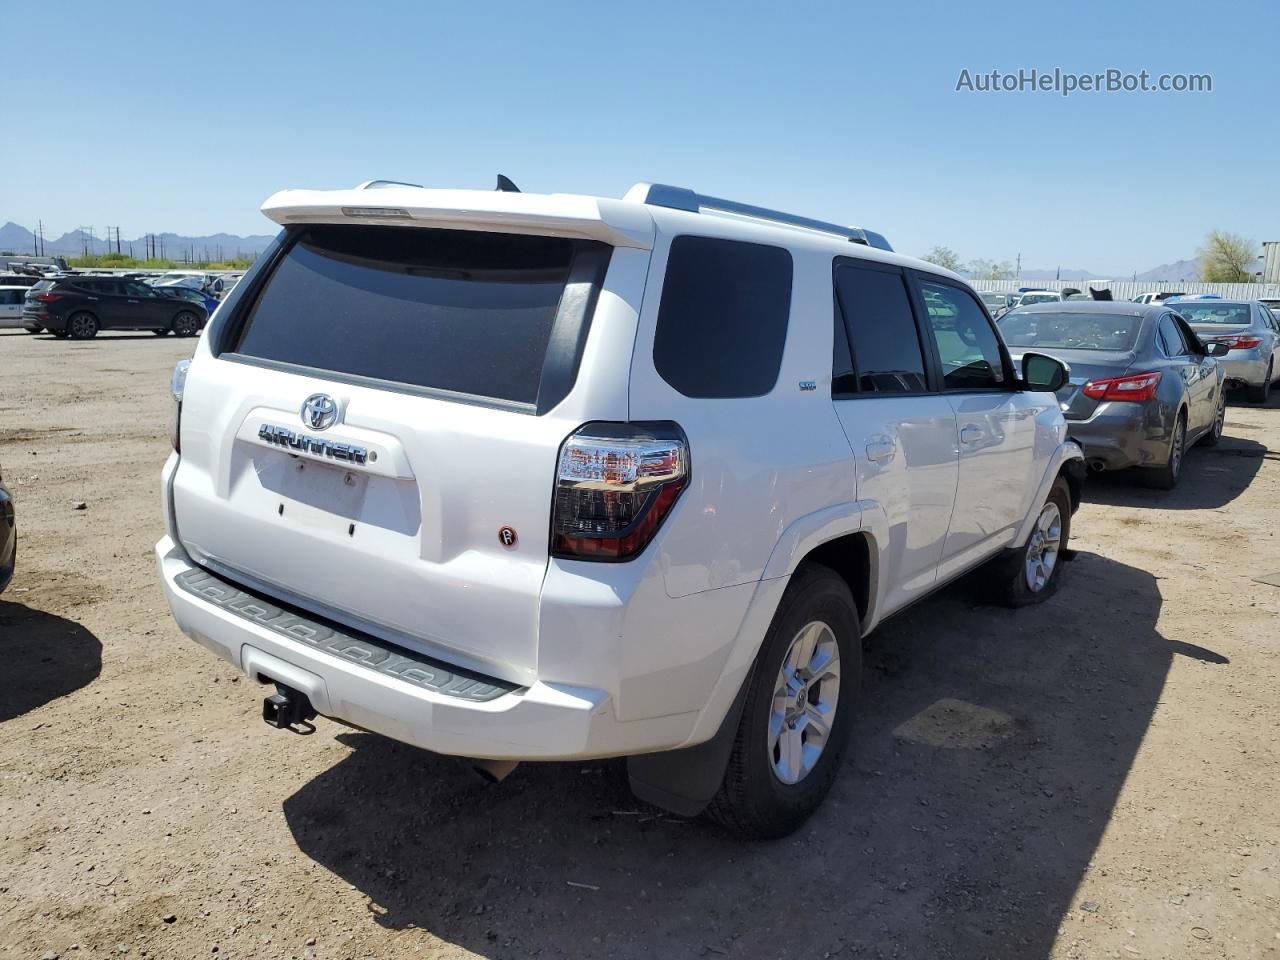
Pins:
x,y
543,477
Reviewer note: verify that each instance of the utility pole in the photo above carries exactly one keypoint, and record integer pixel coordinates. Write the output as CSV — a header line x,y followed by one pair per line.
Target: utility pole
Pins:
x,y
1018,268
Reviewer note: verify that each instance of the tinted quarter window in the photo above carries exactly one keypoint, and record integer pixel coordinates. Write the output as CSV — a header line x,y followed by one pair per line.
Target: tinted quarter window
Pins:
x,y
876,308
1171,337
967,345
463,311
722,320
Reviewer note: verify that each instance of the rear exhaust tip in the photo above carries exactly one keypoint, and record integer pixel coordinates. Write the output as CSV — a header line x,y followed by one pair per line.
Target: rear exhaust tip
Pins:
x,y
494,771
1097,466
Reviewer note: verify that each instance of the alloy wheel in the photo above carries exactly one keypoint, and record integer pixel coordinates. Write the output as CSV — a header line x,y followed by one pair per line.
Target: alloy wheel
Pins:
x,y
804,702
83,326
1179,442
1043,547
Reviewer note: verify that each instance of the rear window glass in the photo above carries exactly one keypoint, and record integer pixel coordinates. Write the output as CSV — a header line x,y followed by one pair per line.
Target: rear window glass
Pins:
x,y
1071,331
1209,312
455,310
722,321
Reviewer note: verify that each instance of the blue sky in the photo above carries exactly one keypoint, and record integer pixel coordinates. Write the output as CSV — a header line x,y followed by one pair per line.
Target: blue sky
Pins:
x,y
157,119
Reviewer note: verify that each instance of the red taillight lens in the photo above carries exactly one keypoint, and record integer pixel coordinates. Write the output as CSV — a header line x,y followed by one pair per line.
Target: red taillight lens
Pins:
x,y
1138,388
1241,343
615,484
47,297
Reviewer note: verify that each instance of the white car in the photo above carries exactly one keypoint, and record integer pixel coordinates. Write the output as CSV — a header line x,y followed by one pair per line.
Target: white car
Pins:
x,y
545,477
11,299
1156,296
1036,296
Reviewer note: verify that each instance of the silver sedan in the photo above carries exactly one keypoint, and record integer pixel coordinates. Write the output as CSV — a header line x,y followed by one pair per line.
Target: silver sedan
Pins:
x,y
1252,333
1143,387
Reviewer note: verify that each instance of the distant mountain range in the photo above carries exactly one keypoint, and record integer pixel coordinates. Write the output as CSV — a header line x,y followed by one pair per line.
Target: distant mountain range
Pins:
x,y
1177,272
19,240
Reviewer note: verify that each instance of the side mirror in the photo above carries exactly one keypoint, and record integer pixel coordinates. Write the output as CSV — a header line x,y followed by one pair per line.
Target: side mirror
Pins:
x,y
1215,348
1042,372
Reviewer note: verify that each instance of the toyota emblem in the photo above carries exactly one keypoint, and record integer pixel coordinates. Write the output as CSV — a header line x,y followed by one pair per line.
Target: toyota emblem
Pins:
x,y
319,411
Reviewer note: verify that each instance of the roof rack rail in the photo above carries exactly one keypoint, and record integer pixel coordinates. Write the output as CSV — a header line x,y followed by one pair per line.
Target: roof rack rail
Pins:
x,y
381,184
682,198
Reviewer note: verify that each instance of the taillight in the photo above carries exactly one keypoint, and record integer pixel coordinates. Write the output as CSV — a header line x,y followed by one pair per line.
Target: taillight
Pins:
x,y
47,297
1245,342
615,484
1138,388
177,386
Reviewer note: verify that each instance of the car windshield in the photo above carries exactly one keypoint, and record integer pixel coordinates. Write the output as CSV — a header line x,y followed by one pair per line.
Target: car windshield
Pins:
x,y
1209,311
1030,298
1072,331
993,299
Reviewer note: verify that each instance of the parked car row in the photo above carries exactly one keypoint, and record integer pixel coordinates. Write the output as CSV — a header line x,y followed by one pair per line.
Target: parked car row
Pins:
x,y
80,306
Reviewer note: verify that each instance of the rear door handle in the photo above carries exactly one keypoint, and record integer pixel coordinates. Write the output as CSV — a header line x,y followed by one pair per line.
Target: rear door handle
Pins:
x,y
880,449
972,434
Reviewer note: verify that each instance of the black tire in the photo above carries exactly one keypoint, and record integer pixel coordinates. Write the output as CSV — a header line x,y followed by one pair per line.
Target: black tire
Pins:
x,y
753,800
1211,438
1011,575
35,331
1166,477
60,334
82,326
185,324
1262,393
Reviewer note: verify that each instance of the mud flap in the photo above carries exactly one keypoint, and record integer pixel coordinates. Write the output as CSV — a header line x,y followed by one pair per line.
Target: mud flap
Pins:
x,y
685,781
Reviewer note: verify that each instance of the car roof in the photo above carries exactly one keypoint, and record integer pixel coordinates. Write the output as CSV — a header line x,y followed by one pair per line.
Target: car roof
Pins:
x,y
626,222
1126,307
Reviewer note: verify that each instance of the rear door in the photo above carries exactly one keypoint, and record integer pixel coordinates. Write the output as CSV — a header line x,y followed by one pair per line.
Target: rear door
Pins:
x,y
108,301
371,429
1195,369
901,430
996,422
10,307
148,308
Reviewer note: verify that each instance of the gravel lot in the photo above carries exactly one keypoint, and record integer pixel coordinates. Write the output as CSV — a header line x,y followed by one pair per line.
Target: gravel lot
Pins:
x,y
1095,777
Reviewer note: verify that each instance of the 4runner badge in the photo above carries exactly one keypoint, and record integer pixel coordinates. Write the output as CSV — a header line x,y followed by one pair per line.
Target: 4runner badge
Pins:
x,y
280,437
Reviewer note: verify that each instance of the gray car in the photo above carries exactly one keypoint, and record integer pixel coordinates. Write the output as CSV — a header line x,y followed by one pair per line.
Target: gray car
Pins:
x,y
1143,386
1252,333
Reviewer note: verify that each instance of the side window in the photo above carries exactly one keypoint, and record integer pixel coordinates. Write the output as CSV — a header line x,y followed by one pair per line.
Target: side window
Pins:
x,y
881,331
967,345
1171,337
139,290
722,320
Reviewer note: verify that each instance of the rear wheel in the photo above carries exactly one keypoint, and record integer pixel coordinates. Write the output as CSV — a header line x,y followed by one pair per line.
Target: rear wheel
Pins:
x,y
798,710
1219,422
1166,477
1262,392
82,326
1030,574
186,324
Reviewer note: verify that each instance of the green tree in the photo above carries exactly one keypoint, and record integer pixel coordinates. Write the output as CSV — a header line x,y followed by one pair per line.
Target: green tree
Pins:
x,y
981,269
943,257
1227,258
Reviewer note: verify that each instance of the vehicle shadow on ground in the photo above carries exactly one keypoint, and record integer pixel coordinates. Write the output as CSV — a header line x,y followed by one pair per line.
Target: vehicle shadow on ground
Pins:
x,y
44,657
989,753
1211,477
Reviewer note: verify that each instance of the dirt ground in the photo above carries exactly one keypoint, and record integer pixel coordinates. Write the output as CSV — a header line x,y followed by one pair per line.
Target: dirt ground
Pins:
x,y
1095,777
